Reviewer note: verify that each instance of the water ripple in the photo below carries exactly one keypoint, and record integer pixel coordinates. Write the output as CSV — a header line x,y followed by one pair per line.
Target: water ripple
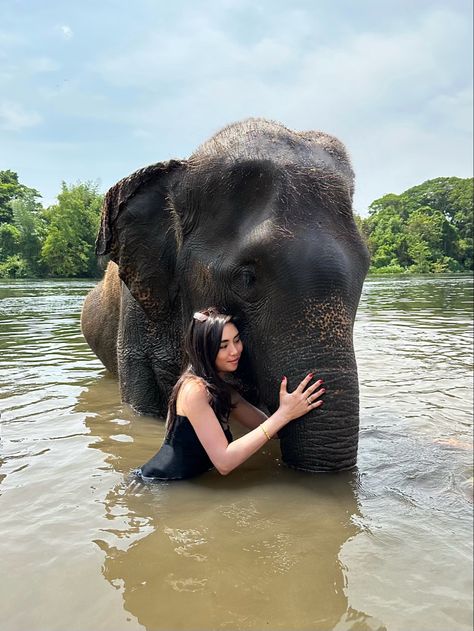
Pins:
x,y
356,548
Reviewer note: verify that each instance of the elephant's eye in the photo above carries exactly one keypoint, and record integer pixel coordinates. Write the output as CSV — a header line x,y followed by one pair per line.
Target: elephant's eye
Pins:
x,y
248,277
244,279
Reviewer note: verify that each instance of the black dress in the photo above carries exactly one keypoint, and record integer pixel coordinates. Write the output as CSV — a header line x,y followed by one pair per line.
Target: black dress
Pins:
x,y
181,455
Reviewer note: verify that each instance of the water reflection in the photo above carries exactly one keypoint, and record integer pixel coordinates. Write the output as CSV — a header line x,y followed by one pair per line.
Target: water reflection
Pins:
x,y
243,559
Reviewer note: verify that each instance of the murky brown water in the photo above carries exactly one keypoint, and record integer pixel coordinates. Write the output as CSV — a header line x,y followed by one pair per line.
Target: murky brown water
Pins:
x,y
388,545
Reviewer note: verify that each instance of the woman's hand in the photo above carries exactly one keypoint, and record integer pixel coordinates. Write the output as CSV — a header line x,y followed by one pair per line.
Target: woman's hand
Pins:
x,y
302,400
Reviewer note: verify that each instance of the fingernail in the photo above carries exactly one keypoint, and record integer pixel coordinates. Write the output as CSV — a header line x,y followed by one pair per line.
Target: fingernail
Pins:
x,y
322,403
310,374
284,378
323,390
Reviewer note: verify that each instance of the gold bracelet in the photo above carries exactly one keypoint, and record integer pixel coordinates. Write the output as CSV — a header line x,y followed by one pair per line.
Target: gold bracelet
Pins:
x,y
265,432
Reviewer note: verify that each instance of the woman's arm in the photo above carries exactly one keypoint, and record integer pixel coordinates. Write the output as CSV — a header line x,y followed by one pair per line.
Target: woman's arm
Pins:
x,y
227,456
245,413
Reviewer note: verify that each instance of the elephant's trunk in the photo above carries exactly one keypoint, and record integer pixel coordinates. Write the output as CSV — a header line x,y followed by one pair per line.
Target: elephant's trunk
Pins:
x,y
325,439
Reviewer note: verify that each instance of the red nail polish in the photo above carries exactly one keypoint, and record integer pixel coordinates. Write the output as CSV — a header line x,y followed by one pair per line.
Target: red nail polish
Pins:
x,y
310,374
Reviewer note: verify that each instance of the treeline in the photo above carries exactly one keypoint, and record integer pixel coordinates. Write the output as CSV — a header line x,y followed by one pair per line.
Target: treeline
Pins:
x,y
56,241
426,229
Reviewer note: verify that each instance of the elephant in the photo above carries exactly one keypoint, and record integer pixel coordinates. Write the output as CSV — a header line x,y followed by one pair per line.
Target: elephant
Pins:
x,y
257,221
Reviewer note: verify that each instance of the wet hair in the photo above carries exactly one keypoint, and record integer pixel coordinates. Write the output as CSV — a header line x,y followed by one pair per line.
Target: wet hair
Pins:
x,y
201,346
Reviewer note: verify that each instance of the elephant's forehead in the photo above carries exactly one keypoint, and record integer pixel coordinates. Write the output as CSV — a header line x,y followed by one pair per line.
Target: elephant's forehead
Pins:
x,y
208,251
236,232
266,231
258,233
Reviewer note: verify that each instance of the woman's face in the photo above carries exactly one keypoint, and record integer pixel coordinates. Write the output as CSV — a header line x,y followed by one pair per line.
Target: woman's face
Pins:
x,y
230,349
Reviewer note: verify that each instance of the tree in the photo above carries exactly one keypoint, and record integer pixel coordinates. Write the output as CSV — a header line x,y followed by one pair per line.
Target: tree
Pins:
x,y
13,267
10,189
72,224
454,198
385,232
9,240
428,228
430,237
28,219
462,210
11,263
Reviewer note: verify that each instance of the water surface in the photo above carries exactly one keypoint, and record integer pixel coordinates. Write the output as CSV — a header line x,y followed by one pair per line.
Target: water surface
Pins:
x,y
387,545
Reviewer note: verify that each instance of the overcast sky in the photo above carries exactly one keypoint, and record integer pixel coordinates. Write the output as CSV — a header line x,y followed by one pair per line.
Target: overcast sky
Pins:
x,y
93,90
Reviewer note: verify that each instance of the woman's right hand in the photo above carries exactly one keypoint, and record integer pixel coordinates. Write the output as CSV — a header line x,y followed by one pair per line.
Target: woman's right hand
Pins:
x,y
302,400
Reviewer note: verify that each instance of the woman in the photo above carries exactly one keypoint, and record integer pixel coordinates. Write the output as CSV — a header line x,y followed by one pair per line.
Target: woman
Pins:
x,y
198,435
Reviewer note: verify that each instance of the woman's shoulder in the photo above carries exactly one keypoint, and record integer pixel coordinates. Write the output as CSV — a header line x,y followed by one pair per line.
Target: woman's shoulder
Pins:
x,y
193,383
192,389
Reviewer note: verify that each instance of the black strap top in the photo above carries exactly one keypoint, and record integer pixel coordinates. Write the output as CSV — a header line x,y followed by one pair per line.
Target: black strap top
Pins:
x,y
181,455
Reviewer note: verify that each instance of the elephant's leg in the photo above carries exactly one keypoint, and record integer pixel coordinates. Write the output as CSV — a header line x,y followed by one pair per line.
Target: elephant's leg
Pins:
x,y
100,318
138,385
147,360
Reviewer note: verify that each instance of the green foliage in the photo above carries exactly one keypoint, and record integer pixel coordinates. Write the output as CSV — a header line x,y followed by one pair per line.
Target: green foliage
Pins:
x,y
9,240
28,219
428,228
71,228
57,241
14,267
20,227
10,189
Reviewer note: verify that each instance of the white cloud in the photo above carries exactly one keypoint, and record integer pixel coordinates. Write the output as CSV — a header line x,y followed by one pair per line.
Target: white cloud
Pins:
x,y
200,48
367,71
375,74
66,31
13,117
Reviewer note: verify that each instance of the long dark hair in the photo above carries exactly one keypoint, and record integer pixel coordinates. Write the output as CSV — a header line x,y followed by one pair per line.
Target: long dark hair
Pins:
x,y
201,345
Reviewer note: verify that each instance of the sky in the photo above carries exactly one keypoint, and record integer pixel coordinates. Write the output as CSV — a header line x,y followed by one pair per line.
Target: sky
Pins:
x,y
93,90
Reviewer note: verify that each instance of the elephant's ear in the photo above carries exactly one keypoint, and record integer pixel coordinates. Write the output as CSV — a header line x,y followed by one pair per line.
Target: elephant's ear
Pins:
x,y
138,230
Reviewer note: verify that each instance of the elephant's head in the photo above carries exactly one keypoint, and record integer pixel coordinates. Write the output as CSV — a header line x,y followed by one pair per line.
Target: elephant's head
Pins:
x,y
258,220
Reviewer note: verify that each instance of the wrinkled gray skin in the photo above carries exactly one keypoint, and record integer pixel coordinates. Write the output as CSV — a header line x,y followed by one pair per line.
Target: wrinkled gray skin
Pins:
x,y
259,221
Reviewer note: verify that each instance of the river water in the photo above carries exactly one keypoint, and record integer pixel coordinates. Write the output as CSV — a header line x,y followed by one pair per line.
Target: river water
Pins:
x,y
385,546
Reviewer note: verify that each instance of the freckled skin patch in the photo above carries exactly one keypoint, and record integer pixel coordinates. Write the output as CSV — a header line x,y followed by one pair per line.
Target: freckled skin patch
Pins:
x,y
330,319
142,293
